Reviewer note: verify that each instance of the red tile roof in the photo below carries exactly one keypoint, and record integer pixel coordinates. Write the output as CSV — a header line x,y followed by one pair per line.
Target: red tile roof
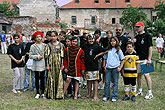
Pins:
x,y
11,2
112,4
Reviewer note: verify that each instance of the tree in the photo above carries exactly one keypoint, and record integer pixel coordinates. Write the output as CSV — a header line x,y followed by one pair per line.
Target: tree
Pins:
x,y
160,8
63,25
131,16
5,8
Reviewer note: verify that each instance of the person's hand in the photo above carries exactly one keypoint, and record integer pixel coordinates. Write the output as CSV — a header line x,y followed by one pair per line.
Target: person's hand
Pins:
x,y
134,40
95,57
148,63
118,69
66,70
41,57
17,61
48,67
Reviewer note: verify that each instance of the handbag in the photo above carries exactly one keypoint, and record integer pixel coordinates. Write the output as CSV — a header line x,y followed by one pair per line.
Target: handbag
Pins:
x,y
29,63
147,69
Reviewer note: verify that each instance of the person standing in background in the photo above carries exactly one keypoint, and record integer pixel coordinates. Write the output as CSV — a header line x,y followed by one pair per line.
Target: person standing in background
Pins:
x,y
3,42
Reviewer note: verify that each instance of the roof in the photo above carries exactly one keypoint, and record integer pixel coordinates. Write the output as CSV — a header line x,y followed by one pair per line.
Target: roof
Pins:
x,y
112,4
11,2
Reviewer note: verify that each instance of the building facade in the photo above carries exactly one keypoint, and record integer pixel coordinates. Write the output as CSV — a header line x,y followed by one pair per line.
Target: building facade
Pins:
x,y
100,13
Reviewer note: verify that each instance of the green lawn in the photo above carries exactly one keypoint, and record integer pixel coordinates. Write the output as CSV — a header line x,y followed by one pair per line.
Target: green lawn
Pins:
x,y
10,101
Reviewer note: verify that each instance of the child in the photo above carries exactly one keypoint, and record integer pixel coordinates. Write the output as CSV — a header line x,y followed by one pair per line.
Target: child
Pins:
x,y
114,61
37,51
74,64
16,53
55,54
159,44
130,72
91,49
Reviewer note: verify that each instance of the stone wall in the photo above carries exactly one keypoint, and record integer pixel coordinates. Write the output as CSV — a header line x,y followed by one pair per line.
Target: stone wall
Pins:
x,y
43,10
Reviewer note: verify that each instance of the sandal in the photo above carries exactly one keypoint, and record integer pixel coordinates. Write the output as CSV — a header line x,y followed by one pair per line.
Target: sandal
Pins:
x,y
86,97
75,98
95,99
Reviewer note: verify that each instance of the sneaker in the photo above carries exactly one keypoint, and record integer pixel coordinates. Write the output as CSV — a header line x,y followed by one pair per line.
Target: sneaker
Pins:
x,y
139,93
126,98
99,87
133,98
114,100
69,95
149,96
25,90
105,99
37,96
103,86
14,91
43,96
84,86
18,91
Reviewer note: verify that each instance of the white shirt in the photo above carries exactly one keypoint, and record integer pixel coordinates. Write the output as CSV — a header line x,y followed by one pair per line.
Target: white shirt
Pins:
x,y
159,42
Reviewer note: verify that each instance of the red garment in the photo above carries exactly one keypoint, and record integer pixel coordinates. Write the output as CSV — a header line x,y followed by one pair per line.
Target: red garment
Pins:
x,y
74,61
21,38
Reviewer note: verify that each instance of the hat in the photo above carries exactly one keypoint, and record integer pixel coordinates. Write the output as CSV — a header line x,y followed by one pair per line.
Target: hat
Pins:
x,y
36,33
86,31
139,23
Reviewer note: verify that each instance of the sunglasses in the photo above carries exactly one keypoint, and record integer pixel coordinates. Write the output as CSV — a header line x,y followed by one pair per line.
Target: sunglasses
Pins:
x,y
138,26
118,29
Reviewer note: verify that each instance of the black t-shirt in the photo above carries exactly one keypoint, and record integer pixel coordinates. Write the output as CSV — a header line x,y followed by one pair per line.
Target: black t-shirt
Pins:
x,y
123,42
82,41
104,42
142,44
17,51
90,52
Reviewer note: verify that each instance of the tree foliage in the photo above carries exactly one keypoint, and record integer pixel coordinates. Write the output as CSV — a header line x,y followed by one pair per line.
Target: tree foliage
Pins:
x,y
160,8
131,16
5,8
63,25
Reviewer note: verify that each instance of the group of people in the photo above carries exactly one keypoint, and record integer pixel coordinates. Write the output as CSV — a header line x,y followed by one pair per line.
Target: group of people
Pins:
x,y
58,63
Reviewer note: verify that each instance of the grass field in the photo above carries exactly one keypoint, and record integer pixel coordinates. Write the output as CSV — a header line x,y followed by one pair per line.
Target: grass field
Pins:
x,y
26,101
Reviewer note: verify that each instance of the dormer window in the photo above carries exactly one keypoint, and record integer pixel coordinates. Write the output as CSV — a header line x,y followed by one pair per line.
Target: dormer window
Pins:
x,y
96,1
107,1
127,1
77,1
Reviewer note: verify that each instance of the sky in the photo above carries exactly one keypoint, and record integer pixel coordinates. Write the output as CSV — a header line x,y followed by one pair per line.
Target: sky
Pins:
x,y
62,2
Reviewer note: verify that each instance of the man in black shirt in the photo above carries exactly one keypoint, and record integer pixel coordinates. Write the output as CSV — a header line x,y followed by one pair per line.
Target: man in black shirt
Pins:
x,y
83,39
122,39
143,47
16,53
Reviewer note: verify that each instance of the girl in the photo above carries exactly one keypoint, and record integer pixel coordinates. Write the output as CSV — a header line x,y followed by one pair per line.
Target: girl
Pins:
x,y
112,63
37,51
55,54
91,49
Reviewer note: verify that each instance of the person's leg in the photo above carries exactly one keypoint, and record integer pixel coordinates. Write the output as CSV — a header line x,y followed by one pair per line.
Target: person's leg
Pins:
x,y
15,79
139,81
5,48
107,84
42,77
27,78
89,83
96,90
21,78
115,76
149,85
126,88
37,81
68,80
2,47
76,89
133,88
33,80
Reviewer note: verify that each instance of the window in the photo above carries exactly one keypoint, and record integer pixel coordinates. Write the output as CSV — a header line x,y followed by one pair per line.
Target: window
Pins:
x,y
120,20
154,18
107,1
77,1
74,21
113,20
96,1
93,20
127,1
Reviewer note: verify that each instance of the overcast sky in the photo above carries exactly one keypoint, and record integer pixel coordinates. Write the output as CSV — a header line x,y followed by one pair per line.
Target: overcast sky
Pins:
x,y
62,2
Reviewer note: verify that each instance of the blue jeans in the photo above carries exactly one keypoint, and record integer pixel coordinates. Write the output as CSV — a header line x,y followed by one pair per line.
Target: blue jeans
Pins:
x,y
27,78
111,73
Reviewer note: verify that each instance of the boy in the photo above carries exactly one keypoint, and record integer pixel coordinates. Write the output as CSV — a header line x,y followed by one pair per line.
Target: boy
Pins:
x,y
16,53
130,72
73,64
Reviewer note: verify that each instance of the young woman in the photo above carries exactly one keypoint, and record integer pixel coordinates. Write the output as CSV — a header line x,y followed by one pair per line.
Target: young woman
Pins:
x,y
91,49
113,63
55,54
37,53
